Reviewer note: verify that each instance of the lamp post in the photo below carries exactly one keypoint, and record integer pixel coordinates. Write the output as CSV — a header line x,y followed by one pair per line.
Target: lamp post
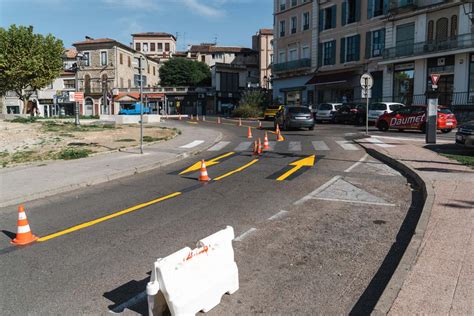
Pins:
x,y
79,61
141,99
468,7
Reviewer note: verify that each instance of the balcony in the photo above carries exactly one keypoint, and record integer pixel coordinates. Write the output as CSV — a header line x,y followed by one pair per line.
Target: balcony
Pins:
x,y
429,47
292,65
401,5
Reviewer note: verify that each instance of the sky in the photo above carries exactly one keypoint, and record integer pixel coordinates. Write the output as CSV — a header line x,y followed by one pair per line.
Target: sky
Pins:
x,y
231,22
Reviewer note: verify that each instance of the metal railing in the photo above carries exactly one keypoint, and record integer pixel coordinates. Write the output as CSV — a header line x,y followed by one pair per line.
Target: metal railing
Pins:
x,y
422,48
292,65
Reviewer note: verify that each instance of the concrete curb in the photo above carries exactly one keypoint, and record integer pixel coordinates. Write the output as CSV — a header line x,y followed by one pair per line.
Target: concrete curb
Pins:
x,y
110,177
408,259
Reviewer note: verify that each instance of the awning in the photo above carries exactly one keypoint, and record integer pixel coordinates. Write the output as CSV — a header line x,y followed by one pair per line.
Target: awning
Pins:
x,y
302,88
135,96
335,78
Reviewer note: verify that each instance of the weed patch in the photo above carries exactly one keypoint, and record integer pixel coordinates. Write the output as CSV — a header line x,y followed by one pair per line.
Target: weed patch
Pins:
x,y
73,153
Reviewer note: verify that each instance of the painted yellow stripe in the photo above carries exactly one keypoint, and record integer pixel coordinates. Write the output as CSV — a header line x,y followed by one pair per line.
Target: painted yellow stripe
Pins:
x,y
236,170
288,173
191,122
108,217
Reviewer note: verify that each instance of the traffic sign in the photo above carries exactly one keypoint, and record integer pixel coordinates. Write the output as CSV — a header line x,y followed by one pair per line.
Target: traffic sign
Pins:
x,y
79,96
366,93
435,79
366,81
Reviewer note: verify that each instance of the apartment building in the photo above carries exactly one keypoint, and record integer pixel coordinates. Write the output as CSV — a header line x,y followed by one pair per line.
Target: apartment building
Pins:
x,y
295,50
159,45
425,37
109,66
262,42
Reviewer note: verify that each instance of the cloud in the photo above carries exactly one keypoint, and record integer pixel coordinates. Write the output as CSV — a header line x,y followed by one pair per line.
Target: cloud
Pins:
x,y
133,4
203,9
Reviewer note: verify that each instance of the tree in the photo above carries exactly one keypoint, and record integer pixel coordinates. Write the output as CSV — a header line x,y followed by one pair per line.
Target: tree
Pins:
x,y
253,98
28,61
184,72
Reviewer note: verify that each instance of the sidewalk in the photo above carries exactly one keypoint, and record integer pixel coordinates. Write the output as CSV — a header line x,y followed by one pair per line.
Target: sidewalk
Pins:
x,y
435,275
25,183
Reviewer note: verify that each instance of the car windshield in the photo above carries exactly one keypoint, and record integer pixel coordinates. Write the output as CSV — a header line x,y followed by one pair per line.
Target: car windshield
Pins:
x,y
273,107
296,110
394,107
325,107
445,111
378,107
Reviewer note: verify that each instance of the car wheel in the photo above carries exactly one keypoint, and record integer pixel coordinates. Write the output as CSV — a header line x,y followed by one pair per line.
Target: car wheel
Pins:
x,y
311,128
383,126
446,130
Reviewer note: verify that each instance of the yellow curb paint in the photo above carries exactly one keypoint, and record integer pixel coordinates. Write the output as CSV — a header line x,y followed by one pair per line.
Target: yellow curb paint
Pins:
x,y
236,170
108,217
191,122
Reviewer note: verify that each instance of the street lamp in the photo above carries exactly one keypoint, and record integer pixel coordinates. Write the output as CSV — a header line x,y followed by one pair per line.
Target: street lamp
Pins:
x,y
79,63
140,68
468,7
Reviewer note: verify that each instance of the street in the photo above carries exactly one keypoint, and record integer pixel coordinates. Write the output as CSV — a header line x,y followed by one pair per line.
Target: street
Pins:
x,y
97,244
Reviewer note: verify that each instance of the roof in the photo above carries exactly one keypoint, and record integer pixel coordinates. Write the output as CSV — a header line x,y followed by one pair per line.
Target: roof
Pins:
x,y
266,31
154,34
95,41
136,95
70,53
219,49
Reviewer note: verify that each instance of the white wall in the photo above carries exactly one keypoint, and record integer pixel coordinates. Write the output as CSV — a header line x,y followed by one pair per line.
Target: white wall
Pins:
x,y
461,72
421,76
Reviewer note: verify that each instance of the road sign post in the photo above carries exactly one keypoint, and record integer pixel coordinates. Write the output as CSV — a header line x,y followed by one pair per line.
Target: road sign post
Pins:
x,y
432,112
366,82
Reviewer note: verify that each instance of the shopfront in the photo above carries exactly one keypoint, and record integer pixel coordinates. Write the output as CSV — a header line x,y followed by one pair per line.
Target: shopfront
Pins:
x,y
471,79
445,67
403,83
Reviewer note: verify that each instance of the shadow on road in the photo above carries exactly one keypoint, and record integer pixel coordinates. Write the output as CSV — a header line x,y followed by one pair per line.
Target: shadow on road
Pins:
x,y
451,149
125,293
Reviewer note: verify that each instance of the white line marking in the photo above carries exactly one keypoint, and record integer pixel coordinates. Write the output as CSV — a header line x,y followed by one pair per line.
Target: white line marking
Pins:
x,y
294,146
347,145
320,145
245,235
218,146
353,201
243,146
361,160
193,144
415,139
318,190
133,301
278,215
378,142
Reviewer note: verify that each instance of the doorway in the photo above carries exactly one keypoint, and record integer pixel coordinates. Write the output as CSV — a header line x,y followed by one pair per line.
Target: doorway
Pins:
x,y
89,105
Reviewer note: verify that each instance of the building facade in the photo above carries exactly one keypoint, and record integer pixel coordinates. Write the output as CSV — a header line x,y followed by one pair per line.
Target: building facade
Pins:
x,y
262,42
159,45
107,67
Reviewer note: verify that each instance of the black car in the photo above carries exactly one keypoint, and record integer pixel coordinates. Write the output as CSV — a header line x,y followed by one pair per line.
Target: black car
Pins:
x,y
294,117
353,113
465,134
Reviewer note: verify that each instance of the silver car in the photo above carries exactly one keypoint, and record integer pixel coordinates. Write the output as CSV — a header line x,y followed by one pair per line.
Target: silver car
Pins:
x,y
378,108
326,111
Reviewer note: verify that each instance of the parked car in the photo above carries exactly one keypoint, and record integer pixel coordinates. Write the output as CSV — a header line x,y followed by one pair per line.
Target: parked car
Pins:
x,y
465,134
414,117
294,117
271,111
350,113
326,112
133,109
378,108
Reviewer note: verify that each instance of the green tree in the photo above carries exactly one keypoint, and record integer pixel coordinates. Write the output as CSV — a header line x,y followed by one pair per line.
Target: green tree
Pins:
x,y
28,61
185,72
253,98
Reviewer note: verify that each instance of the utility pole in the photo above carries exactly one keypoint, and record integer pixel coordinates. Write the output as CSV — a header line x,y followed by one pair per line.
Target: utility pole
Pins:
x,y
141,102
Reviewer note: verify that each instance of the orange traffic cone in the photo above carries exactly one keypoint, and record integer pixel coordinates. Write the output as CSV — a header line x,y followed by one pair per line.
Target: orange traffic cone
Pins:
x,y
218,120
23,235
240,121
249,133
259,147
255,148
279,137
266,145
203,176
259,124
277,130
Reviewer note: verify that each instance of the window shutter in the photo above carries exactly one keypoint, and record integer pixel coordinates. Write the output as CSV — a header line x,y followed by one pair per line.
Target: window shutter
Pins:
x,y
370,9
357,17
368,45
343,50
382,40
385,6
357,47
320,54
333,16
333,51
344,13
321,20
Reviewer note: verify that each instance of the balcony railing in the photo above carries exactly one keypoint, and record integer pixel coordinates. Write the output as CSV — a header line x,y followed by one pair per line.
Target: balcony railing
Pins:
x,y
292,65
428,47
396,5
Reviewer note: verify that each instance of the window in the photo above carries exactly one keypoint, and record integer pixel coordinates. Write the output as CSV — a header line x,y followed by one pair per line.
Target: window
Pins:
x,y
145,47
281,57
305,53
129,61
350,11
294,3
69,84
271,58
442,29
103,58
282,28
292,54
121,83
129,82
160,47
136,80
454,26
327,18
86,59
430,30
87,84
137,46
375,43
329,53
148,68
350,47
293,25
121,58
152,47
154,71
203,58
282,5
376,8
305,21
167,47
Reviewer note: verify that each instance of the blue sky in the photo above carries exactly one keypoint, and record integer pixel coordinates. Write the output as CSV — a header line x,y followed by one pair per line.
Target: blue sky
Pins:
x,y
233,22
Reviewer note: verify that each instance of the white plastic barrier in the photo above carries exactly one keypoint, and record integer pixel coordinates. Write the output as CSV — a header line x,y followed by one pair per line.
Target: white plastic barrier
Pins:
x,y
194,280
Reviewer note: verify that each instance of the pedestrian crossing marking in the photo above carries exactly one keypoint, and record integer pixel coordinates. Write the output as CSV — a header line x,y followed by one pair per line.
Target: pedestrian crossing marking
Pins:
x,y
320,145
219,146
243,146
294,146
347,145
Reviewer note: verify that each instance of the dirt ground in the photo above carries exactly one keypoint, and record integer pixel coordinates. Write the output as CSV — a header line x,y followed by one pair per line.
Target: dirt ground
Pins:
x,y
50,139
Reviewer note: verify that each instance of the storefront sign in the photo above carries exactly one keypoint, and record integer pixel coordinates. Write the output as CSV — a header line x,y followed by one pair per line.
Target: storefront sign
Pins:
x,y
405,66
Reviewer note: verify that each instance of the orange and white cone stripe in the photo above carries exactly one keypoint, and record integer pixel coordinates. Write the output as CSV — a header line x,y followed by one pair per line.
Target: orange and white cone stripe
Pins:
x,y
266,145
23,235
204,176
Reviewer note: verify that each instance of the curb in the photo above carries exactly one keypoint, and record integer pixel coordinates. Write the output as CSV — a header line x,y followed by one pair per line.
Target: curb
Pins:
x,y
110,177
395,284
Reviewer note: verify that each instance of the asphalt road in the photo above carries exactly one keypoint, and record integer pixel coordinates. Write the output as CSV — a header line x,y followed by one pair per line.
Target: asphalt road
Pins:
x,y
326,253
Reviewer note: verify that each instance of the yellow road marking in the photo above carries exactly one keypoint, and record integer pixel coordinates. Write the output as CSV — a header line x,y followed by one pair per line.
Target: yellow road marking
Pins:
x,y
213,161
305,162
106,218
236,170
191,122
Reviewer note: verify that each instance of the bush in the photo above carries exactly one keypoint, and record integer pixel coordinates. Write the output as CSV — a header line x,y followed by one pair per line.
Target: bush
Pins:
x,y
24,120
73,153
246,111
